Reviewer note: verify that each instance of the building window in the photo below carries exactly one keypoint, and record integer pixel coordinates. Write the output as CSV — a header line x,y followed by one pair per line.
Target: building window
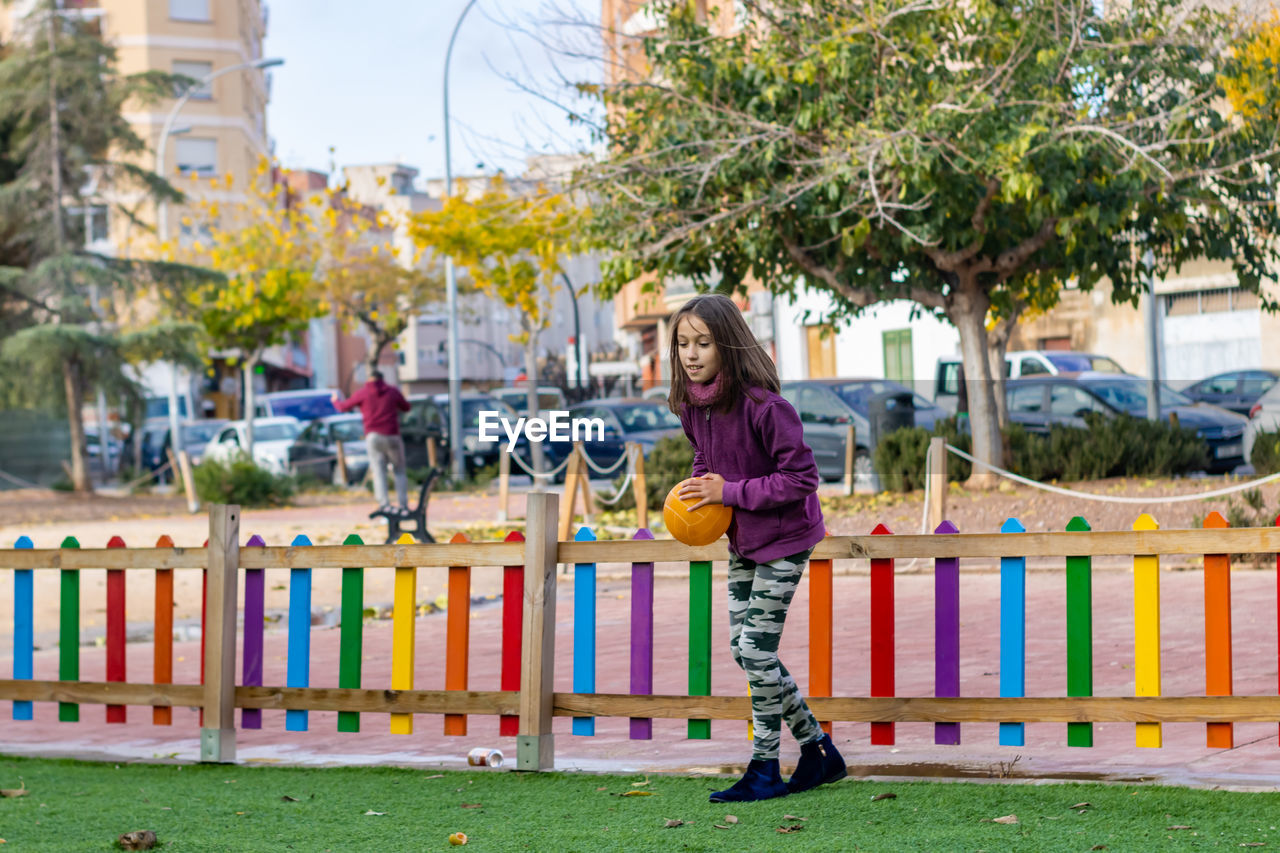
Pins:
x,y
197,71
199,156
898,365
189,10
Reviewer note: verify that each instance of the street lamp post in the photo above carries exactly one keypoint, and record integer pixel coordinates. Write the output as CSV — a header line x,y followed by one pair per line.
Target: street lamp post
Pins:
x,y
162,212
451,282
1153,339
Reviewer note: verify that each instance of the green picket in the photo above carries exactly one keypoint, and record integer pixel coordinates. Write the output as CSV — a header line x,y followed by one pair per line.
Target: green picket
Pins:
x,y
1079,634
700,641
351,642
69,634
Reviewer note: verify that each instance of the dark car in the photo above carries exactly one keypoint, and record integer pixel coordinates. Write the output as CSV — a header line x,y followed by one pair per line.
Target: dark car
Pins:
x,y
827,407
428,417
1236,390
314,451
156,441
1039,403
626,419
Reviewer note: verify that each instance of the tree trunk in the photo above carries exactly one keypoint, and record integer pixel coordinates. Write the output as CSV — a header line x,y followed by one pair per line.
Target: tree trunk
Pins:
x,y
531,405
380,342
55,129
250,364
73,384
968,314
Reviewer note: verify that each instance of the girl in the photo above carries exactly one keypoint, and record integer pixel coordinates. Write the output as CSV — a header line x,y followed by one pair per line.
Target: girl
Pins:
x,y
749,453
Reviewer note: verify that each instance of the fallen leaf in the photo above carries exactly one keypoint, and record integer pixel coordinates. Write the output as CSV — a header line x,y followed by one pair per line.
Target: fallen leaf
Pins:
x,y
1179,826
288,799
1007,819
672,823
472,805
458,838
1098,847
14,792
372,812
639,784
636,794
1082,806
793,817
887,795
795,827
436,776
719,826
1254,844
142,839
730,819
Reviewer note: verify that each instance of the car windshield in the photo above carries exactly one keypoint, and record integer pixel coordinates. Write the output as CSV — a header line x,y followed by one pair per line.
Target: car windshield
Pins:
x,y
349,430
638,418
195,434
275,432
471,410
1130,395
306,408
858,394
1076,362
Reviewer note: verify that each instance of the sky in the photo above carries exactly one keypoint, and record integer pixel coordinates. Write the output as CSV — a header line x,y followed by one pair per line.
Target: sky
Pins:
x,y
367,79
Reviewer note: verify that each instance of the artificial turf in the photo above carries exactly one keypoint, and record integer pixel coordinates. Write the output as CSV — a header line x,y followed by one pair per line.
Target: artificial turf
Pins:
x,y
85,806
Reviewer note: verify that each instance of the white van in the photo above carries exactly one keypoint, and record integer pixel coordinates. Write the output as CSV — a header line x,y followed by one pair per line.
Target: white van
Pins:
x,y
1017,364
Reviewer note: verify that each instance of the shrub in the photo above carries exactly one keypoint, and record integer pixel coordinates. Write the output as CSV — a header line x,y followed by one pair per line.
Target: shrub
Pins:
x,y
670,461
900,456
1110,447
242,482
1265,456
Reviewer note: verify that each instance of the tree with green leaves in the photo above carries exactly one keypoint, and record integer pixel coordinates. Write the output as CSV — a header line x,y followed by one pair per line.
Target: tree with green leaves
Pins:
x,y
510,244
971,157
67,145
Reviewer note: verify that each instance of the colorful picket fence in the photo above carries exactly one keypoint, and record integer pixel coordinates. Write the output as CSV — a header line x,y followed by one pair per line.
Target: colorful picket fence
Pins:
x,y
524,701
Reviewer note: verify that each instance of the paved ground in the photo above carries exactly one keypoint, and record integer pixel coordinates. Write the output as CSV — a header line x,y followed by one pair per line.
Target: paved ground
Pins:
x,y
1254,763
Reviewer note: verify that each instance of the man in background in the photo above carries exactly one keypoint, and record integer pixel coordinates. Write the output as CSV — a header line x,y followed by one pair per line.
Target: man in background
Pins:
x,y
380,407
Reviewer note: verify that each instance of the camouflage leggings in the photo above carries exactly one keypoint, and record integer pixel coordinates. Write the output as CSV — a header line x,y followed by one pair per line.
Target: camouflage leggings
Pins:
x,y
759,594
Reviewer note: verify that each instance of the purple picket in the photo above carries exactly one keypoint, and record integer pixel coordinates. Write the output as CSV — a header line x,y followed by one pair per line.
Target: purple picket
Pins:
x,y
642,638
946,635
255,591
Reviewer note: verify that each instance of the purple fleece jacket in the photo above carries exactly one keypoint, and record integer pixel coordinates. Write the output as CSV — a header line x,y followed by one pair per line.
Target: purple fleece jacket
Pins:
x,y
771,478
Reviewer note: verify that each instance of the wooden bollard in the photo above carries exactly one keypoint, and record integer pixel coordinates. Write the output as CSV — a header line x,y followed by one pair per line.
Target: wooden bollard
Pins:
x,y
433,451
850,457
504,483
640,489
937,475
342,462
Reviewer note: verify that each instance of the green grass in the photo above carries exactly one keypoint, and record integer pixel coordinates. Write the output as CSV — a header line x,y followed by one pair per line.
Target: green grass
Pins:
x,y
83,806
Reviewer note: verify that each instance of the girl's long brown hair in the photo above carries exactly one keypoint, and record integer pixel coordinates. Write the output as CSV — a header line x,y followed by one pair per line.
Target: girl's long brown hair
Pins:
x,y
743,360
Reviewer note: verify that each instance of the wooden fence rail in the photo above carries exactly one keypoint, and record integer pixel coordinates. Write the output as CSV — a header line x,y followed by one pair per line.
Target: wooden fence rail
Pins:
x,y
527,704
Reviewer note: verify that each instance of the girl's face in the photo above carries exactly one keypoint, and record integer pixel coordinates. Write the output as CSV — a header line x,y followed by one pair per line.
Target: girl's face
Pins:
x,y
698,353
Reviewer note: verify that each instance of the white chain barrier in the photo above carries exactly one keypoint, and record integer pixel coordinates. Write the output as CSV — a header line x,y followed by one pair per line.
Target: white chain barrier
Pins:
x,y
629,458
599,470
1090,496
542,475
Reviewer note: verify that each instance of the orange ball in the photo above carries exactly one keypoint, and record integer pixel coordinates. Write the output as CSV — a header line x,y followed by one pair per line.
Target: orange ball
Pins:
x,y
697,527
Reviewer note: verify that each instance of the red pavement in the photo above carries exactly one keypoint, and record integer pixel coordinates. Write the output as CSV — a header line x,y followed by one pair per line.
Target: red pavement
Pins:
x,y
1184,760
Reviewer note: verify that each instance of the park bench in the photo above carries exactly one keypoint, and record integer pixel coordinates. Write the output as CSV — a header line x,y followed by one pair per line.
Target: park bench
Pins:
x,y
413,520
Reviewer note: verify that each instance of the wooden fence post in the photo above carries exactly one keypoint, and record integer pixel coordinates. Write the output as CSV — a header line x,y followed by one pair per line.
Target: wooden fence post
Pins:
x,y
342,462
639,488
570,495
433,451
180,465
218,734
937,475
588,496
850,457
504,483
535,744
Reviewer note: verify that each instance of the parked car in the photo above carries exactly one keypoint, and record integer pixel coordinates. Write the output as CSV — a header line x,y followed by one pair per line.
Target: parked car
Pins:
x,y
827,407
272,438
1237,390
949,374
626,419
1264,416
305,404
1041,402
550,398
428,416
314,451
156,442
